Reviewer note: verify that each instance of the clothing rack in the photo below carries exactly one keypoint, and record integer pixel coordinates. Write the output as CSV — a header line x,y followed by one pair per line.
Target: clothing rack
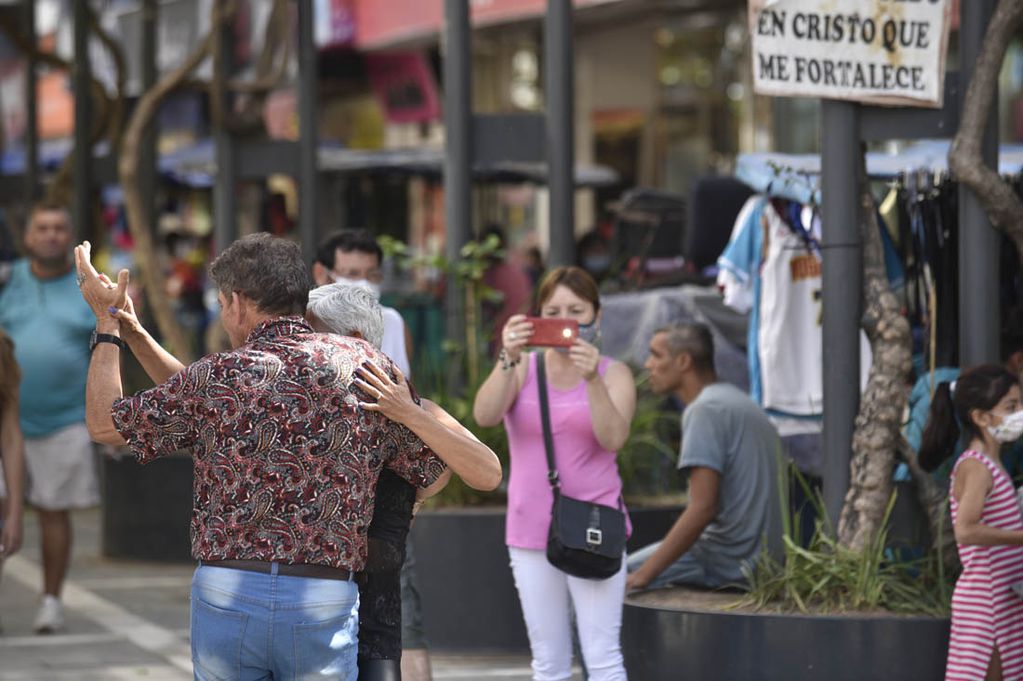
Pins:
x,y
797,176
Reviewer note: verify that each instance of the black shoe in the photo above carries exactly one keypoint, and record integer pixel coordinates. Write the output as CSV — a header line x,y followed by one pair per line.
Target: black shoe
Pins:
x,y
379,670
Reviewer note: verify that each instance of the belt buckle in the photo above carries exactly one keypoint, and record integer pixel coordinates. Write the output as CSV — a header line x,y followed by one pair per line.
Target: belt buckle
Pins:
x,y
594,537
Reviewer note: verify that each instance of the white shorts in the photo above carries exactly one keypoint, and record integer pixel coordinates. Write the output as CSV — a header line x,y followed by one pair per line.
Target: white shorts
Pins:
x,y
62,470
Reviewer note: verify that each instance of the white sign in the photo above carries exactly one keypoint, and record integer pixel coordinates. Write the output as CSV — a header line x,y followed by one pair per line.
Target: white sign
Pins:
x,y
879,51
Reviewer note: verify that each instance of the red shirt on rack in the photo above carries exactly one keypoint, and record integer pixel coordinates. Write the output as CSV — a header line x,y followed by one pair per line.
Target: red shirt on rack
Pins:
x,y
286,463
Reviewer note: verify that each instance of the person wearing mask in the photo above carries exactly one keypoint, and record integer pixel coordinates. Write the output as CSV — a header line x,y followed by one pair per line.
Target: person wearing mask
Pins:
x,y
920,400
592,400
353,256
12,454
286,463
43,313
984,406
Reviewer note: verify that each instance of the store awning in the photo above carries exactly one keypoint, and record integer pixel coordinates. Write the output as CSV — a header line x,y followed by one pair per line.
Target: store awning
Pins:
x,y
430,163
195,165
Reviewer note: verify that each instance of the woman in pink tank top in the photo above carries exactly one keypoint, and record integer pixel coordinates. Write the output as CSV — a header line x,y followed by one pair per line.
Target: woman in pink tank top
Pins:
x,y
592,400
987,609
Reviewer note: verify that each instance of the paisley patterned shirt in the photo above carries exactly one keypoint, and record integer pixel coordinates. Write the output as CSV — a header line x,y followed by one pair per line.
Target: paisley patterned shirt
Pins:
x,y
286,463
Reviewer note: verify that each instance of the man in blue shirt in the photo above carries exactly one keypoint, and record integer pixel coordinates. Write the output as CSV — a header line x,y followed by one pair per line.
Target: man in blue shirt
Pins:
x,y
42,310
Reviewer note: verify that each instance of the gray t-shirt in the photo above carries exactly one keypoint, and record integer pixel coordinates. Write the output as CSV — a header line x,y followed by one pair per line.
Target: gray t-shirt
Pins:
x,y
723,429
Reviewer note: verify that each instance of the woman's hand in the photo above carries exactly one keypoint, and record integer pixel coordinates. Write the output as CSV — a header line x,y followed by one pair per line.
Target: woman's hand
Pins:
x,y
98,291
127,317
586,359
393,400
515,336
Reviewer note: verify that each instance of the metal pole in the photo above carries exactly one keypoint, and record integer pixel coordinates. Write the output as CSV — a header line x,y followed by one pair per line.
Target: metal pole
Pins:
x,y
457,149
979,243
147,165
82,86
225,199
309,139
841,295
560,89
31,101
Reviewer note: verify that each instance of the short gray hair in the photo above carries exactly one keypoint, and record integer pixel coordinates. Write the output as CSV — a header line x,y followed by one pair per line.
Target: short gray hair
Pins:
x,y
348,308
268,271
695,340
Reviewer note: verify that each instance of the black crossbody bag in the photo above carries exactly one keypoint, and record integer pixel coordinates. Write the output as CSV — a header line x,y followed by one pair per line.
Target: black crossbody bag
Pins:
x,y
586,539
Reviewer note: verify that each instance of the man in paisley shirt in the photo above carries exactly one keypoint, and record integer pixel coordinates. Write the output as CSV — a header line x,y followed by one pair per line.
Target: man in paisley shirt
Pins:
x,y
286,462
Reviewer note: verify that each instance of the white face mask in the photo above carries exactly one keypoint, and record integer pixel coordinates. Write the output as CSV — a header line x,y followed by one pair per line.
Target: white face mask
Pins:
x,y
1009,430
364,283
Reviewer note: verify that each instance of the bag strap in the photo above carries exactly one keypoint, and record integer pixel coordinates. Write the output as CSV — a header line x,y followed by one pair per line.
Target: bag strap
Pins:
x,y
545,419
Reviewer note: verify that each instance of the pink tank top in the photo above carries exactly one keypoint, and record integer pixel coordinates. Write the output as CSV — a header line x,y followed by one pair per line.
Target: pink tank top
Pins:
x,y
587,471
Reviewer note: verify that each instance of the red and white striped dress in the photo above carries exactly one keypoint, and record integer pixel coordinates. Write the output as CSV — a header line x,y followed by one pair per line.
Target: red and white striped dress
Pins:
x,y
985,611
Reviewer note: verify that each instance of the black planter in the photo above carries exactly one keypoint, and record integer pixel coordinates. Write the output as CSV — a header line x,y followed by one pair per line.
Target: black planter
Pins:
x,y
147,509
662,643
468,595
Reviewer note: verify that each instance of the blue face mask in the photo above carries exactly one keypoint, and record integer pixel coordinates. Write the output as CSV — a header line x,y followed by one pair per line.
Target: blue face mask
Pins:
x,y
590,333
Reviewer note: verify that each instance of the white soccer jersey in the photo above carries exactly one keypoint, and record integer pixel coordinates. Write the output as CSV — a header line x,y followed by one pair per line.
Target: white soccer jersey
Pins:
x,y
790,337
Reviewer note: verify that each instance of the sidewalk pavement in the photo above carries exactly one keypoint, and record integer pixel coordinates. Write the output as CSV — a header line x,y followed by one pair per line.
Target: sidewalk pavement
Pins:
x,y
129,620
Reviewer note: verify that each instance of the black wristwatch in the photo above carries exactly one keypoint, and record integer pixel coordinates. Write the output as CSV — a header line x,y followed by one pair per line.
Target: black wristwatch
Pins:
x,y
98,338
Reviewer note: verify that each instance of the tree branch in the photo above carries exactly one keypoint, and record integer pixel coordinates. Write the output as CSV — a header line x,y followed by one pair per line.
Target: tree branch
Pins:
x,y
116,122
138,221
1003,207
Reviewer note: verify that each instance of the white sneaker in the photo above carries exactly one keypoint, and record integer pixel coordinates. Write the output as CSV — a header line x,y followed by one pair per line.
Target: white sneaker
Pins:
x,y
50,618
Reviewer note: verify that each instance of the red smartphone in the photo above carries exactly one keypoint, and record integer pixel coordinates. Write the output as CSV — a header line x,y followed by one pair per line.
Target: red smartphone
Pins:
x,y
553,332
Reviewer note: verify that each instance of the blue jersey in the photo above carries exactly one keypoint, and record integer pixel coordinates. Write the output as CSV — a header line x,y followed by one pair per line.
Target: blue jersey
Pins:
x,y
50,325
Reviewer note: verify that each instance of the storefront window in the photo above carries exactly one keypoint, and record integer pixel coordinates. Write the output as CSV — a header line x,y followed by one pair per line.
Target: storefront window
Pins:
x,y
700,76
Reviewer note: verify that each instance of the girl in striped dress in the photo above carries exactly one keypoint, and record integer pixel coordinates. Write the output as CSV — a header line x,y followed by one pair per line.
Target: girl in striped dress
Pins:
x,y
987,616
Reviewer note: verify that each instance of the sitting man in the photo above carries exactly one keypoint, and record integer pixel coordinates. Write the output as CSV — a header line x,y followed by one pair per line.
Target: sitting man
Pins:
x,y
730,451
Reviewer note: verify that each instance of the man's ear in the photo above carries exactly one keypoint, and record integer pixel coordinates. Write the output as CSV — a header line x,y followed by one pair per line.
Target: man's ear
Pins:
x,y
320,274
684,361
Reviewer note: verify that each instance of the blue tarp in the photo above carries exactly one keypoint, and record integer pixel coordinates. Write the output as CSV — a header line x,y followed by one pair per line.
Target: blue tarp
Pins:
x,y
797,176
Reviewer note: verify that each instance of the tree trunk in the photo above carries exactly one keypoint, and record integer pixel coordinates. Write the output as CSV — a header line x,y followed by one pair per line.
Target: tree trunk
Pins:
x,y
878,424
138,220
1003,207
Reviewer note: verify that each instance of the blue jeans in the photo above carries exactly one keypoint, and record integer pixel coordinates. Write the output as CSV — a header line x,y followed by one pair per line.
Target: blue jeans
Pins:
x,y
694,567
248,626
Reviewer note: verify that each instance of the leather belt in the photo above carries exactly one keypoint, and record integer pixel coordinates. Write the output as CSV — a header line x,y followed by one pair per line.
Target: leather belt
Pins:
x,y
287,569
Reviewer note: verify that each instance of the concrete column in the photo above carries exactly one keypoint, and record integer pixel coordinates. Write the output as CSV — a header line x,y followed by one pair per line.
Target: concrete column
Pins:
x,y
841,295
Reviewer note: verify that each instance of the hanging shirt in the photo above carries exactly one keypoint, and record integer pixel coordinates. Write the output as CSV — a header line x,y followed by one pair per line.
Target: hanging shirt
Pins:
x,y
776,265
393,343
790,340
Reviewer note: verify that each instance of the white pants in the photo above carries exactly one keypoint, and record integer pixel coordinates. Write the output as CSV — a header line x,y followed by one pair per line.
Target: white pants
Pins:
x,y
544,592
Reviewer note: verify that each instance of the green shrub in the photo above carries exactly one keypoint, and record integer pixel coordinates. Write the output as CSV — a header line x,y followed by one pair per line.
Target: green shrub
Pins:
x,y
827,577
